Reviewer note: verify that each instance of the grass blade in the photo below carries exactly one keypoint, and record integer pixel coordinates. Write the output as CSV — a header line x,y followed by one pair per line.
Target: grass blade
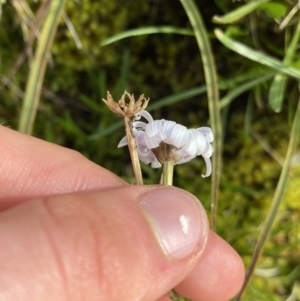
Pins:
x,y
278,86
210,72
227,99
277,198
121,84
147,31
239,13
38,68
255,55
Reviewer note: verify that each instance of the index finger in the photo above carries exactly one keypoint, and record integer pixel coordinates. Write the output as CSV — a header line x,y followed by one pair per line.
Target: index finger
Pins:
x,y
31,167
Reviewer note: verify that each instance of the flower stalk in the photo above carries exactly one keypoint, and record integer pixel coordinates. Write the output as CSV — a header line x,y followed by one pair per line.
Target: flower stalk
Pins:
x,y
168,169
133,151
128,110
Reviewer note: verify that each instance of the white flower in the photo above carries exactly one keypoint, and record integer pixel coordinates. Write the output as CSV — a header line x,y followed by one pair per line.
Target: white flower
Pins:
x,y
162,140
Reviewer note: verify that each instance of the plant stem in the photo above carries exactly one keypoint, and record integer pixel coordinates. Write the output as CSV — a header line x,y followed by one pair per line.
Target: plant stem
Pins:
x,y
38,68
210,73
168,168
133,152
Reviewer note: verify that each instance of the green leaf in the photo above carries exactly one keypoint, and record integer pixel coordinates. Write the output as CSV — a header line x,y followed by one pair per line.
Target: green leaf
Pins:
x,y
296,64
256,56
234,93
239,13
38,68
274,9
147,31
277,90
235,31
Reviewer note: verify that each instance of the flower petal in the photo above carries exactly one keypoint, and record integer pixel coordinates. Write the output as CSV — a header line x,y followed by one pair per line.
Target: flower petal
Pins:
x,y
144,114
207,132
154,133
139,125
208,167
123,142
176,134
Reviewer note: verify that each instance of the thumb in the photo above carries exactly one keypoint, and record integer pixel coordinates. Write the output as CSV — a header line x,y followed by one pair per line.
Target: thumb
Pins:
x,y
114,244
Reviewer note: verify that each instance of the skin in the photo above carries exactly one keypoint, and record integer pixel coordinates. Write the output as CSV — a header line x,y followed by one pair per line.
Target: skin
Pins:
x,y
72,230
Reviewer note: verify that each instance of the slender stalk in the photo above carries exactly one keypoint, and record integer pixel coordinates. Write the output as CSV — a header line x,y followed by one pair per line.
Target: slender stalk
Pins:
x,y
133,152
168,168
277,90
210,73
38,68
277,198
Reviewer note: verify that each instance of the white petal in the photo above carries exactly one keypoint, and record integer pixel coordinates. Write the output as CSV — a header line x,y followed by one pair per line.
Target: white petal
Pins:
x,y
208,167
144,114
123,142
177,134
190,147
184,159
156,164
207,132
139,125
154,133
202,143
208,152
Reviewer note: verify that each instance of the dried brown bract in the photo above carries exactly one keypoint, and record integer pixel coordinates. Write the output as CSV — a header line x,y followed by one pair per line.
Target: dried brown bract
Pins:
x,y
126,106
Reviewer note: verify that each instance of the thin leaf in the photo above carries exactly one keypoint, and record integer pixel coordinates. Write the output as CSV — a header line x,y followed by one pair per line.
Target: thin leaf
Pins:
x,y
231,95
274,10
38,68
255,55
121,84
210,73
278,86
96,107
248,117
34,31
277,199
239,13
147,31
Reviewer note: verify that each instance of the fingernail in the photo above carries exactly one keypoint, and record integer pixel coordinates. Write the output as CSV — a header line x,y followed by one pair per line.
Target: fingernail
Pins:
x,y
177,219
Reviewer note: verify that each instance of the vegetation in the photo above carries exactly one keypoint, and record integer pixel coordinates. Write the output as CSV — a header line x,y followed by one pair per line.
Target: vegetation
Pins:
x,y
233,65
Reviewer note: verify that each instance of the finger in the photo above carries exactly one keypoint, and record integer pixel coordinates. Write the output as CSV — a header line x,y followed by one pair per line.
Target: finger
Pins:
x,y
127,243
164,298
221,270
31,167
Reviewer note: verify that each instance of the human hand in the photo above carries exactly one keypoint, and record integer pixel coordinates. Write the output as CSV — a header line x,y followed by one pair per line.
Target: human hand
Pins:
x,y
71,230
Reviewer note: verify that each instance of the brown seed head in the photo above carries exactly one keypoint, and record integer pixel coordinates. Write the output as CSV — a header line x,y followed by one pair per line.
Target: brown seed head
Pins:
x,y
124,107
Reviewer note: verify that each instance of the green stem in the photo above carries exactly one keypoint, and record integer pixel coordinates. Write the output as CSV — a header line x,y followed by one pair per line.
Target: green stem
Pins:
x,y
210,73
38,68
168,168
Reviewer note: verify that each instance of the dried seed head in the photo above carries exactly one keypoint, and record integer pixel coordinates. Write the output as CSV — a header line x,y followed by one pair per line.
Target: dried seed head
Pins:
x,y
124,107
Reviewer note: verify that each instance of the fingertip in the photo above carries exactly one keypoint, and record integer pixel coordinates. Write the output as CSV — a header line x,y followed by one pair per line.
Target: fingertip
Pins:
x,y
177,219
218,277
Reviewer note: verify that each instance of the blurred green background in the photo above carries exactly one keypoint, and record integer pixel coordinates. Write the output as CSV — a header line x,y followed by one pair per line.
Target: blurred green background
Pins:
x,y
167,67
